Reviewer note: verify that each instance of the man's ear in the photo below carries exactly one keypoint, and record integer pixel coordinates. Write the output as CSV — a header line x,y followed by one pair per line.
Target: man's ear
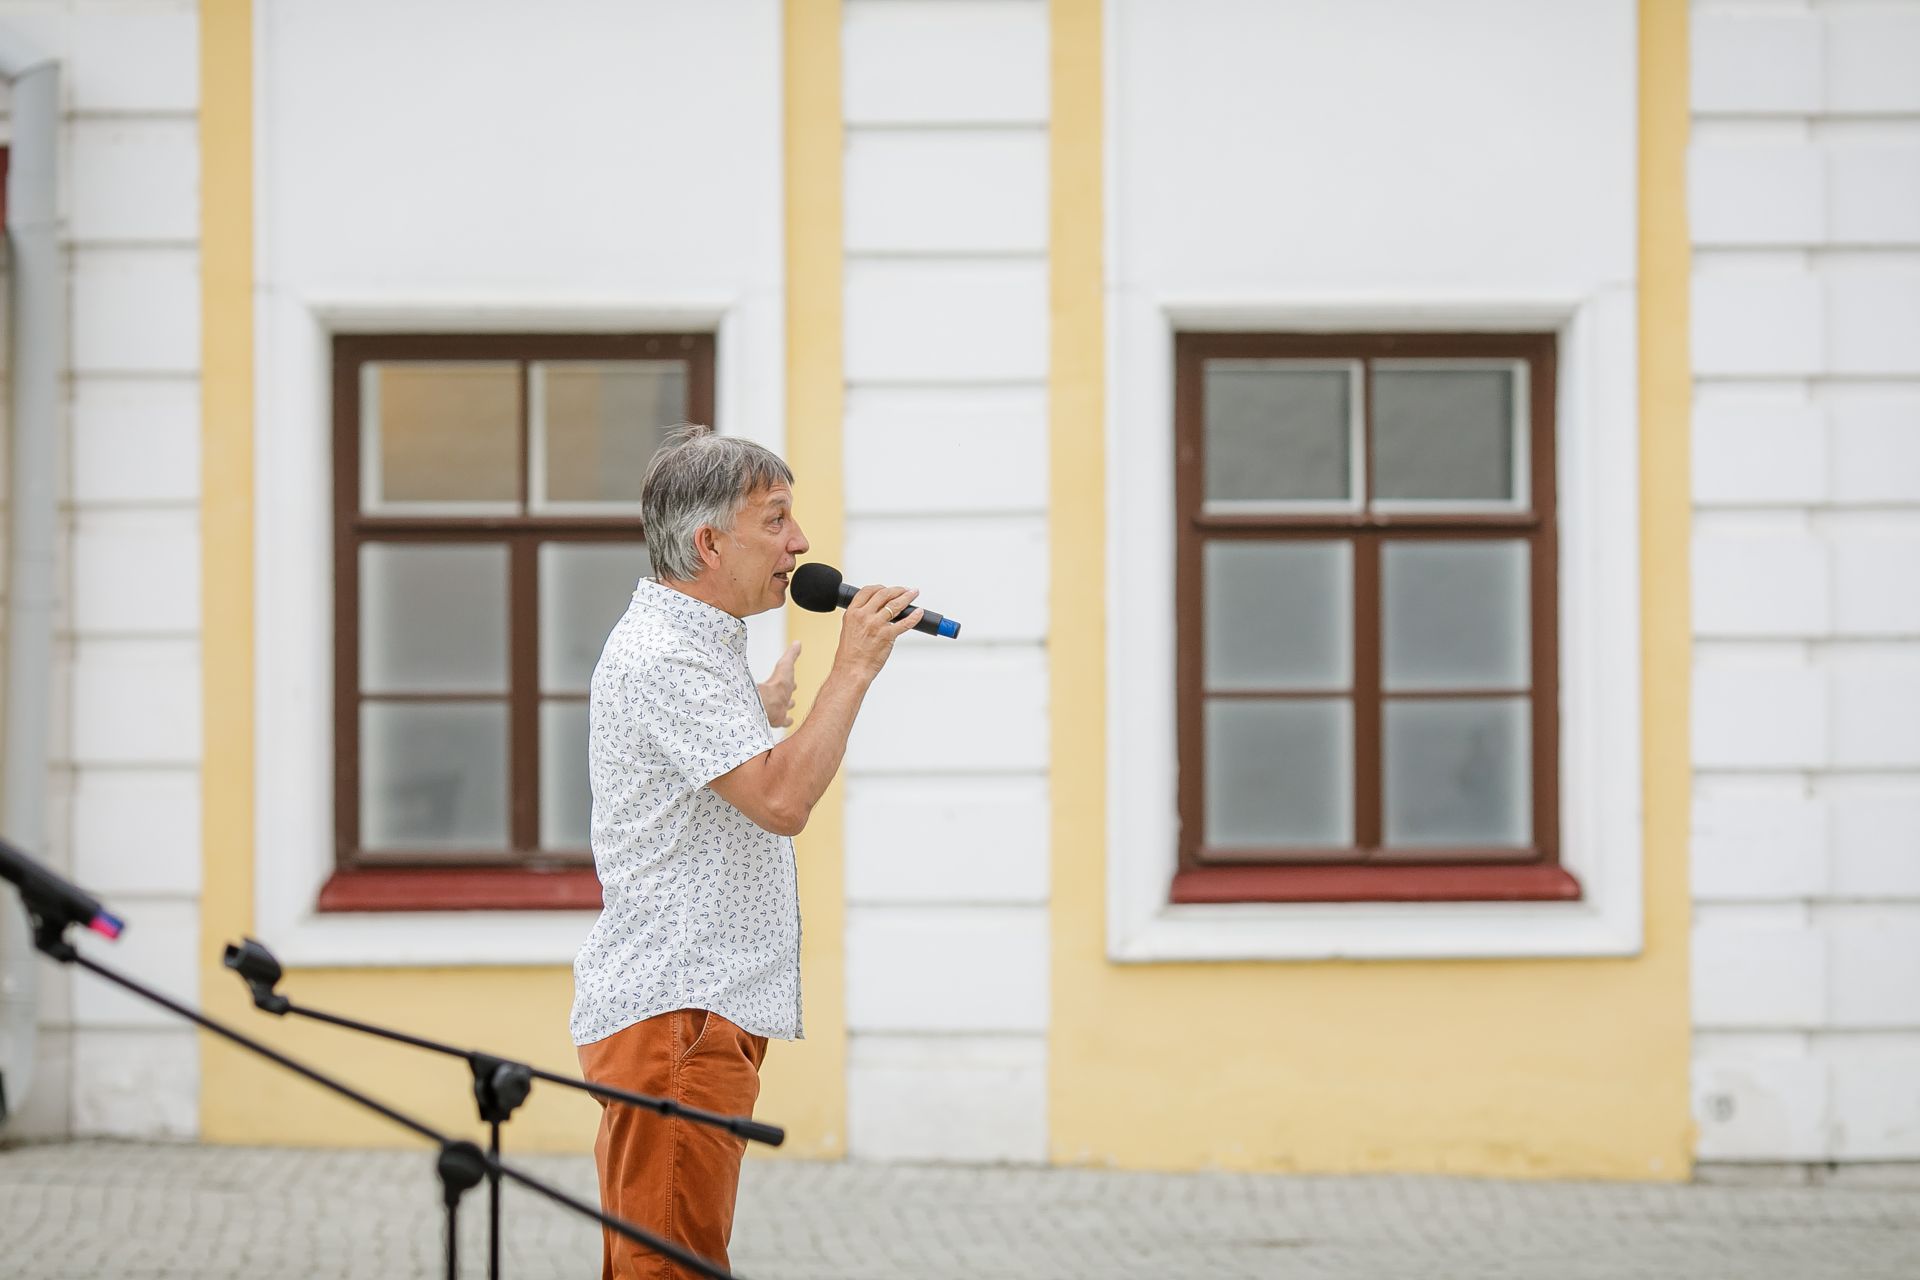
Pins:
x,y
706,544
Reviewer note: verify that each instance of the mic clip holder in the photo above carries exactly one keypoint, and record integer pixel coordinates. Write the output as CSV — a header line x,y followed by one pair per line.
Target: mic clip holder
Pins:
x,y
499,1085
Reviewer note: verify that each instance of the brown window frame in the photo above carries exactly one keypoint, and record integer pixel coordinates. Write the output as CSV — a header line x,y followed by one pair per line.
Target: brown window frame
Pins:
x,y
525,877
1366,872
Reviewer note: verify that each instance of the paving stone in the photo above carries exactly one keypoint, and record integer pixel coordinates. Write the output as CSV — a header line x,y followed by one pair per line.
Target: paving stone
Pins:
x,y
181,1212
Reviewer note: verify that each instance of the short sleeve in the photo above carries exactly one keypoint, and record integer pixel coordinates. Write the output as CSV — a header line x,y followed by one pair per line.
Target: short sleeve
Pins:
x,y
702,720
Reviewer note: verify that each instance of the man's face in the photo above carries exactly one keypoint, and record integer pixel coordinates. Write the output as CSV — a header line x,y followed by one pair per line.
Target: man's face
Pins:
x,y
757,557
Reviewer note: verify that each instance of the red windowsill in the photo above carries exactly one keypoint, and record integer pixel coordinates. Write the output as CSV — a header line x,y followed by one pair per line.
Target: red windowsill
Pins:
x,y
462,889
1375,883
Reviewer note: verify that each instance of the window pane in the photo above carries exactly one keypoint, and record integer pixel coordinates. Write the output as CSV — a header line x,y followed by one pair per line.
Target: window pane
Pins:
x,y
584,588
1279,774
1444,435
566,801
433,776
1279,615
1457,774
433,618
441,433
1278,431
1456,615
597,425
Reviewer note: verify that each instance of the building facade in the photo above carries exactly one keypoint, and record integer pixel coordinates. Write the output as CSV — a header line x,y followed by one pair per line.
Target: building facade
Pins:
x,y
1432,493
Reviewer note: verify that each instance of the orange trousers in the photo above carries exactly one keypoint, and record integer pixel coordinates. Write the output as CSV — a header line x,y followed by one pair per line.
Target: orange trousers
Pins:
x,y
674,1178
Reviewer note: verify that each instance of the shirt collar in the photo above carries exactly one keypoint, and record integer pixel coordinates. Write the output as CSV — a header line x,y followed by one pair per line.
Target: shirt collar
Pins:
x,y
694,615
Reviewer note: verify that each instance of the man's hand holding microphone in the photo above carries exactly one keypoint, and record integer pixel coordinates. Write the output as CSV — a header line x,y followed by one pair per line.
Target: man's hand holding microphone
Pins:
x,y
779,788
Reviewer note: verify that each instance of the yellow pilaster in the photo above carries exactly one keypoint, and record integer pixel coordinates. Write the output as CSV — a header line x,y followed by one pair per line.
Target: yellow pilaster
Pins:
x,y
226,518
804,1085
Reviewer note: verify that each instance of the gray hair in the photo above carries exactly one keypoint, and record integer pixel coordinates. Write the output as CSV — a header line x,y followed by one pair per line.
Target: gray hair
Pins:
x,y
699,478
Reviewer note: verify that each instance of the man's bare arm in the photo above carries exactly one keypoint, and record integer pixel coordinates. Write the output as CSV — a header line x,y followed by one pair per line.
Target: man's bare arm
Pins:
x,y
778,788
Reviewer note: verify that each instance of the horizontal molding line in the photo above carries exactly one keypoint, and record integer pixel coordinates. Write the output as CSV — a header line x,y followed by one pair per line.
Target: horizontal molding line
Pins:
x,y
957,904
1802,1029
1037,1036
984,772
970,257
1713,256
134,375
1818,900
1830,642
122,115
71,1027
146,897
944,384
1037,644
99,634
1808,773
935,513
84,508
957,774
1779,643
1829,508
917,1033
1818,249
969,514
190,767
94,244
1823,116
1801,383
1037,125
1835,1033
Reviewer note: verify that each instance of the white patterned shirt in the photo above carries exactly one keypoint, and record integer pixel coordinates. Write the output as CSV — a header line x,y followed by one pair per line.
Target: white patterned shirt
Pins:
x,y
701,907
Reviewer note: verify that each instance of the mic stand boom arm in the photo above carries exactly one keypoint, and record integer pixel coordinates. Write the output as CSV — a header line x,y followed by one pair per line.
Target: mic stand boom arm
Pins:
x,y
261,972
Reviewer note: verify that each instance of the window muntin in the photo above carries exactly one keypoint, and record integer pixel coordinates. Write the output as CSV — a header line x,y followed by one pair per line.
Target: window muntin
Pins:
x,y
1367,667
487,537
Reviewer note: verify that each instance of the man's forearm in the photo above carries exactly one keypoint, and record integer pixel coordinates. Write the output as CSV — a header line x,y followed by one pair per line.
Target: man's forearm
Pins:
x,y
804,764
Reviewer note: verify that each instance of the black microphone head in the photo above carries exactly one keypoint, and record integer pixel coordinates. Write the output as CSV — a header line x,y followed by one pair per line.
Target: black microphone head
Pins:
x,y
816,587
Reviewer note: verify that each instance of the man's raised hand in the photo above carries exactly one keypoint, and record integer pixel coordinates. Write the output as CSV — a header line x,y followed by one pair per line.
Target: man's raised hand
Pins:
x,y
776,695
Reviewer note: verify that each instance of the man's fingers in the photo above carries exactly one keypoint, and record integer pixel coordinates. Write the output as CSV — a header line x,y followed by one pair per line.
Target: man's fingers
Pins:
x,y
905,622
784,667
896,600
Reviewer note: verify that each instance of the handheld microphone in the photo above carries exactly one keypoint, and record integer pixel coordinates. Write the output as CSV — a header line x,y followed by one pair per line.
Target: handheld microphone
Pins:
x,y
818,587
58,901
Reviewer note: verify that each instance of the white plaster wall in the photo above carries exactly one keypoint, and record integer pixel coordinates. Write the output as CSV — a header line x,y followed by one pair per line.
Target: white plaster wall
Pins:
x,y
124,817
589,165
946,478
1804,199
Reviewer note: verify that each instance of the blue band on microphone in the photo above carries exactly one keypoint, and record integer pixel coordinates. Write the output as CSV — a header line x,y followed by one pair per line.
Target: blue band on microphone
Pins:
x,y
949,628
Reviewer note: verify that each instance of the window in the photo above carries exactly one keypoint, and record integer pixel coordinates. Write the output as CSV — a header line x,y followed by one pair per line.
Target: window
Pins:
x,y
486,538
1366,604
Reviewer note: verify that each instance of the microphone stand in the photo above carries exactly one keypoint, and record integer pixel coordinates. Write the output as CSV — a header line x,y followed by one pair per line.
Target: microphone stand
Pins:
x,y
499,1084
54,906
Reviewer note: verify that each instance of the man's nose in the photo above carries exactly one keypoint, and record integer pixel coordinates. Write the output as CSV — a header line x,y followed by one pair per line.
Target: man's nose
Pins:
x,y
798,544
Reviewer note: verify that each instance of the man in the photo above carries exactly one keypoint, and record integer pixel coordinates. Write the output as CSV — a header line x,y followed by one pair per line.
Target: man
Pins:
x,y
695,961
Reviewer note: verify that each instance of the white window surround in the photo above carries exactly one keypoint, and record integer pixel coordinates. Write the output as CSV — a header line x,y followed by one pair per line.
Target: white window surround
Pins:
x,y
293,604
1600,748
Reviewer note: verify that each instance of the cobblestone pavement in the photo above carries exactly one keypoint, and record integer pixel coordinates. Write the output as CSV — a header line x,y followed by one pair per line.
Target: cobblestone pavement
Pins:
x,y
132,1210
